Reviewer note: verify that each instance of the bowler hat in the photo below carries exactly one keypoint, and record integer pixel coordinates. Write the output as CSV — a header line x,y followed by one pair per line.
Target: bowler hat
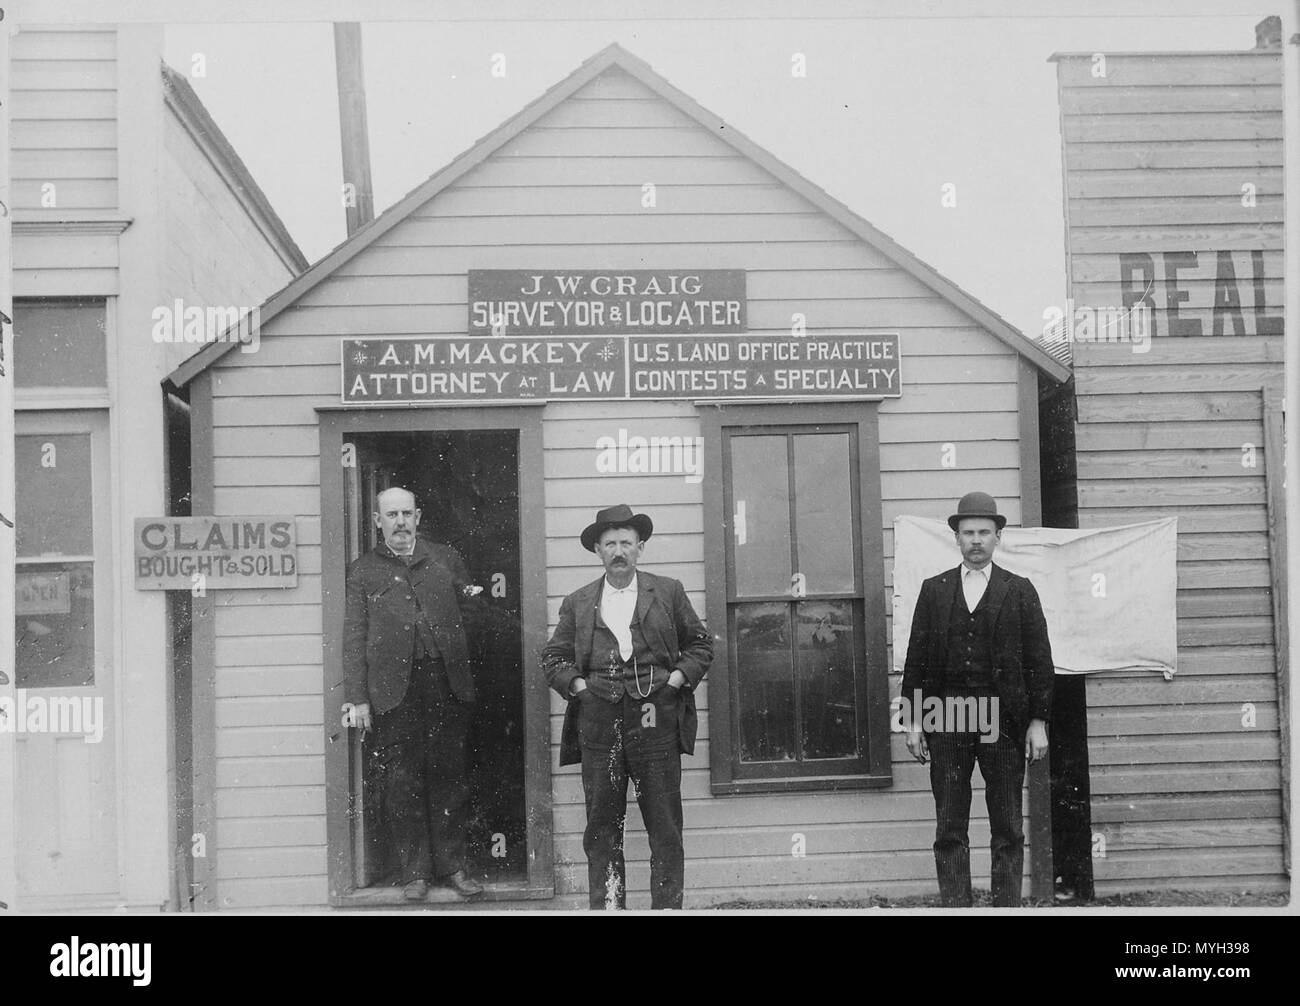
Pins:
x,y
977,505
616,516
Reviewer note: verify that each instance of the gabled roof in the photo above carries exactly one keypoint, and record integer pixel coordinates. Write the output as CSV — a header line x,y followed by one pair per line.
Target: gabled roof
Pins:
x,y
616,56
182,100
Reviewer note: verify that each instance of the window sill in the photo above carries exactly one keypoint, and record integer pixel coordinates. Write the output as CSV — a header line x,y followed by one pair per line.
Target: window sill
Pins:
x,y
802,784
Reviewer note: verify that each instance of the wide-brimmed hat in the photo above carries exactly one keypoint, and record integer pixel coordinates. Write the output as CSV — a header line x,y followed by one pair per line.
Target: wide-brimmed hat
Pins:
x,y
616,516
977,505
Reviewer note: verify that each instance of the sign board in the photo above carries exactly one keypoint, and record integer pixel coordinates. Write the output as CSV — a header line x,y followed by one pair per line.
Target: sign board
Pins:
x,y
442,369
43,593
519,302
215,553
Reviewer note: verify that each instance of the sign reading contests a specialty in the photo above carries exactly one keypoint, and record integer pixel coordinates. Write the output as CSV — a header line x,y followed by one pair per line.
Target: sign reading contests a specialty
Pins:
x,y
217,553
510,302
468,369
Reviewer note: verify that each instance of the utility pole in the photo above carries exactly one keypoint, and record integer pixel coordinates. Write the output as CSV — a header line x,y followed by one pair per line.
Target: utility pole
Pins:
x,y
358,192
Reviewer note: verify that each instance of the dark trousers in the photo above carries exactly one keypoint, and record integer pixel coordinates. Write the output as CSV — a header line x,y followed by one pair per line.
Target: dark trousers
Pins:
x,y
1002,764
420,766
632,739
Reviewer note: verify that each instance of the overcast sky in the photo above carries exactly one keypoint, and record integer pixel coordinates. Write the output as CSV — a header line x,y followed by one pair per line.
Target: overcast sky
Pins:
x,y
890,111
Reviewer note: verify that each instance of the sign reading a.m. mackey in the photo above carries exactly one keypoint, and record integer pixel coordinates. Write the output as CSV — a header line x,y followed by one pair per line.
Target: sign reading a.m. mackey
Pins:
x,y
611,367
216,553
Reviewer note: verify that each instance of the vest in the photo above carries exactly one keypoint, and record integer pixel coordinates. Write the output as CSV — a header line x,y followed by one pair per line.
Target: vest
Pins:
x,y
610,678
425,646
969,666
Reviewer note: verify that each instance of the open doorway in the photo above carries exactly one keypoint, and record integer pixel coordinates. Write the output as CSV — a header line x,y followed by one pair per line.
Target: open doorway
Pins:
x,y
466,484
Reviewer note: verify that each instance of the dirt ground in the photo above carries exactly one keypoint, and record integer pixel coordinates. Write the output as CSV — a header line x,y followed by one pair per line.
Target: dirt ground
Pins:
x,y
1135,899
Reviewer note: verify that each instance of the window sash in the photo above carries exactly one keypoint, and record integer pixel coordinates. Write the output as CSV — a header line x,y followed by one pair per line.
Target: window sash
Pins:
x,y
790,431
721,423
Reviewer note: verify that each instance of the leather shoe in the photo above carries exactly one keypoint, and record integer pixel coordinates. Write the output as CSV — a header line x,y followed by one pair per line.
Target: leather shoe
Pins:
x,y
416,890
465,886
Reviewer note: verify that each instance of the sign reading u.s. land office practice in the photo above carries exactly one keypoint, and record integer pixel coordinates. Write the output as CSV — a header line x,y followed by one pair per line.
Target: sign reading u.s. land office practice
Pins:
x,y
445,369
216,553
519,302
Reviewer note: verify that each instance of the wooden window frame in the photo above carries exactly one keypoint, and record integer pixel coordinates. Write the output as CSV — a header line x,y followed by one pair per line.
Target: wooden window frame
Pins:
x,y
716,421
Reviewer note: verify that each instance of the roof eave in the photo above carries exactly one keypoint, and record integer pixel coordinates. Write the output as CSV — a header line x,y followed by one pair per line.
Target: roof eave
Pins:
x,y
198,122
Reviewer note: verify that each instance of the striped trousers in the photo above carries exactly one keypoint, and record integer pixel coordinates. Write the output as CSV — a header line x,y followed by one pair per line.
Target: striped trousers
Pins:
x,y
953,757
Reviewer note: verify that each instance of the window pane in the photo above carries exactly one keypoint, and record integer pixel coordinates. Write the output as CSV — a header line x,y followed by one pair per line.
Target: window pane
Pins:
x,y
760,496
765,680
53,482
55,627
824,512
59,344
826,644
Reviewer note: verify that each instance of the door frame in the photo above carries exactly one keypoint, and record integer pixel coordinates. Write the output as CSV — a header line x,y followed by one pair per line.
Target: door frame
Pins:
x,y
527,421
93,423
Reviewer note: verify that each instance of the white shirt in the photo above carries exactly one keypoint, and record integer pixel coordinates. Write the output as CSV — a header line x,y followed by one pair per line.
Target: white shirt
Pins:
x,y
617,605
974,582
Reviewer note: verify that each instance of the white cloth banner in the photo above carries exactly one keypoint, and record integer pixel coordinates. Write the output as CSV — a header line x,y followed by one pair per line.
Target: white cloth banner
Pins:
x,y
1109,594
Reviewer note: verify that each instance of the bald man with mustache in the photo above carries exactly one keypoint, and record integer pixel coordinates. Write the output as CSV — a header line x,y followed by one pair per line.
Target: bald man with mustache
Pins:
x,y
408,681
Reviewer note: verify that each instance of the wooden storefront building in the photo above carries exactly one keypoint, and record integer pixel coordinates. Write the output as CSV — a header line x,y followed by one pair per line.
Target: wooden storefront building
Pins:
x,y
129,208
617,177
1173,169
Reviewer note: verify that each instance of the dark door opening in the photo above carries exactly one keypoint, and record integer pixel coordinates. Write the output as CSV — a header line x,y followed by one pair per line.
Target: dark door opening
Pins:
x,y
466,484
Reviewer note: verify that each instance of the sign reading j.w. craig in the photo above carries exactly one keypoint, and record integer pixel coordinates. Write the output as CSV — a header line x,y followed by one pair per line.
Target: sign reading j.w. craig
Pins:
x,y
215,553
483,368
511,302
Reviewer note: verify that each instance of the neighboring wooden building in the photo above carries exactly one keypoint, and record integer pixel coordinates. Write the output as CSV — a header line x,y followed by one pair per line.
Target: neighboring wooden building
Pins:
x,y
1173,184
562,187
126,198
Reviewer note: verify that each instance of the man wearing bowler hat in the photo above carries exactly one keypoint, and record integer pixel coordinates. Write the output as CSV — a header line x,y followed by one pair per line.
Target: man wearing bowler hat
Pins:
x,y
978,636
627,655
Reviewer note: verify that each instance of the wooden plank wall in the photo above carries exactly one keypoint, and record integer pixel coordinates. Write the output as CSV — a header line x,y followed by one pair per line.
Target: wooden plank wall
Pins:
x,y
216,254
64,120
63,128
567,194
1186,774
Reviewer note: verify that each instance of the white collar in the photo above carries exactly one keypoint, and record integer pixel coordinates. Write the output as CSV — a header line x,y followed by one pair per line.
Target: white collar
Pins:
x,y
629,589
985,572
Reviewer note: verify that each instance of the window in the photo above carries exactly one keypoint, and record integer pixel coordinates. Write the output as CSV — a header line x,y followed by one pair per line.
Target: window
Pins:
x,y
54,577
798,688
60,343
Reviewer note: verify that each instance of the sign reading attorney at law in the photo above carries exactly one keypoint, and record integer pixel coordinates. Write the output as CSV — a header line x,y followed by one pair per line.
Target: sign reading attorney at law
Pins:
x,y
227,553
477,368
510,302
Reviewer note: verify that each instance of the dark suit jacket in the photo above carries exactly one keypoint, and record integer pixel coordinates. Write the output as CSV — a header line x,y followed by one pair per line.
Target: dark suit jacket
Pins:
x,y
1023,671
383,609
670,627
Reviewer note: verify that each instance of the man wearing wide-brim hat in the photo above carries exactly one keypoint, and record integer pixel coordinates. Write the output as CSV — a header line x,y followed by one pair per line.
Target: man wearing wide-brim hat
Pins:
x,y
978,645
627,655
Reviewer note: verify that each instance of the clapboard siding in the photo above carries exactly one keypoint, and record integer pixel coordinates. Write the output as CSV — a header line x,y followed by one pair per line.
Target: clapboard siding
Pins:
x,y
1160,157
217,255
64,120
567,194
63,156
